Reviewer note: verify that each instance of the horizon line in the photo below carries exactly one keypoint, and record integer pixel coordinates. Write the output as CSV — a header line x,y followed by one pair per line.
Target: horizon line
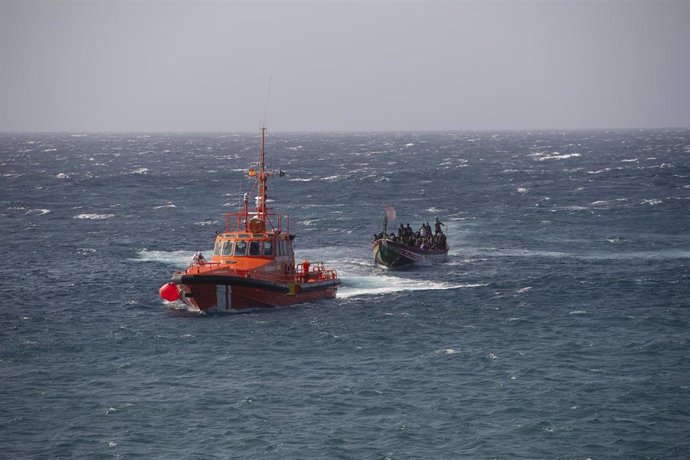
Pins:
x,y
345,131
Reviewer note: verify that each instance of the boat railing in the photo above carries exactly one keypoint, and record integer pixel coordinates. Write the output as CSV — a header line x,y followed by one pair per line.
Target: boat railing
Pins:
x,y
317,272
197,268
243,221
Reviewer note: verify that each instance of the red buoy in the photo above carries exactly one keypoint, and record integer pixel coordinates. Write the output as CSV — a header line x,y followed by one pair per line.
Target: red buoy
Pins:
x,y
169,292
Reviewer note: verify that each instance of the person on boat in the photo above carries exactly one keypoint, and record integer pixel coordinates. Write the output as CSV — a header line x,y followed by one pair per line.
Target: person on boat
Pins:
x,y
438,226
199,258
305,270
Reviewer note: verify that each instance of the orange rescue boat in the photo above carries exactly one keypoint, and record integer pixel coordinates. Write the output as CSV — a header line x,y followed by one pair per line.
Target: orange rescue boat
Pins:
x,y
253,262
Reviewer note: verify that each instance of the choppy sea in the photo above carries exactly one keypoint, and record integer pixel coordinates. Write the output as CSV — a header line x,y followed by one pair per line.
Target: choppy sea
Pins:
x,y
558,328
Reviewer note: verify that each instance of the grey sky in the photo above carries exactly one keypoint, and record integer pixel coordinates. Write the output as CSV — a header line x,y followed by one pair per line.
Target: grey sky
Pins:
x,y
366,66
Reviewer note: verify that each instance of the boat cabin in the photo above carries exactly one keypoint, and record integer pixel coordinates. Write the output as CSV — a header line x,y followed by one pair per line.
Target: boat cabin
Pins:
x,y
247,244
262,245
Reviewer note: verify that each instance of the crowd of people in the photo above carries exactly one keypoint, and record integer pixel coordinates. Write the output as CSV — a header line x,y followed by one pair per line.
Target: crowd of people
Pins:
x,y
423,238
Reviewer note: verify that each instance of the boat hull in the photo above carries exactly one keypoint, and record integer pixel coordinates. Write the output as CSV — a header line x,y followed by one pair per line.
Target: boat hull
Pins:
x,y
226,293
394,255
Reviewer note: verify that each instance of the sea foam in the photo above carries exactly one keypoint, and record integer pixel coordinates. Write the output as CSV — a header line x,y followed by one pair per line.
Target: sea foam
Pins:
x,y
93,216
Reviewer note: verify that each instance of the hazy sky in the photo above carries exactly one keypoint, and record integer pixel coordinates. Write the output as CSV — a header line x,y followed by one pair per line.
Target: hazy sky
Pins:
x,y
371,65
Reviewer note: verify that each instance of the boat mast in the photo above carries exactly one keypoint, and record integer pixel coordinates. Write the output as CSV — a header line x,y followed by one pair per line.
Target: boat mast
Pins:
x,y
261,209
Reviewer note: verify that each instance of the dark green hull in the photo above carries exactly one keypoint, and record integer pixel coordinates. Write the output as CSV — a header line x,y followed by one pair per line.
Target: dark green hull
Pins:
x,y
391,254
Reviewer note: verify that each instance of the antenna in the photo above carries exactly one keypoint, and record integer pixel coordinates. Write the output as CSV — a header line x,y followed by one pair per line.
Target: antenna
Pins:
x,y
261,198
268,95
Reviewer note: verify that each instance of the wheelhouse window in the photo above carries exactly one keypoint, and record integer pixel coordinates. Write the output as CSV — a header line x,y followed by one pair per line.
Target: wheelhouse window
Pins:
x,y
218,248
227,248
241,248
268,248
283,248
255,248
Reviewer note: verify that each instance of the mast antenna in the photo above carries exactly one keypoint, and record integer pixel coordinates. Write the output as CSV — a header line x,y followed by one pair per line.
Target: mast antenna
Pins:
x,y
268,95
261,198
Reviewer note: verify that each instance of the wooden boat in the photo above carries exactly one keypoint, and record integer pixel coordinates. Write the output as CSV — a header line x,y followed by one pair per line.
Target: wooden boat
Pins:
x,y
253,262
392,254
408,248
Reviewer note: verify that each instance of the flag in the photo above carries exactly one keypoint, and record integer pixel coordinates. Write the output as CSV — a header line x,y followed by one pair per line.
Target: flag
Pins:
x,y
390,212
252,172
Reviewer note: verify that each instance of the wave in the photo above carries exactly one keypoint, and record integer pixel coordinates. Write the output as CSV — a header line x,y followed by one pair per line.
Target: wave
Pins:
x,y
37,212
574,208
607,202
447,351
632,255
177,258
506,252
94,216
541,156
661,166
206,223
599,171
384,284
557,156
594,255
651,202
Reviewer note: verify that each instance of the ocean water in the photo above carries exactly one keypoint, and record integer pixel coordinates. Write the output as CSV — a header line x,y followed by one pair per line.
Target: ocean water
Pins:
x,y
559,327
